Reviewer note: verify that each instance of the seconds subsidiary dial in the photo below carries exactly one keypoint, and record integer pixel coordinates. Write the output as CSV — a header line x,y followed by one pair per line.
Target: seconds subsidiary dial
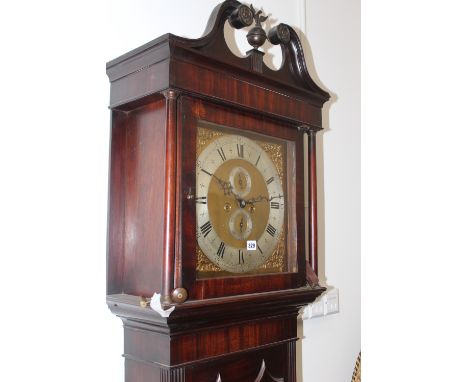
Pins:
x,y
240,204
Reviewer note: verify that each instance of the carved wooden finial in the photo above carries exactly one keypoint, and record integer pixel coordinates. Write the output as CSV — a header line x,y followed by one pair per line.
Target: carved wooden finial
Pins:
x,y
256,15
257,36
241,17
279,34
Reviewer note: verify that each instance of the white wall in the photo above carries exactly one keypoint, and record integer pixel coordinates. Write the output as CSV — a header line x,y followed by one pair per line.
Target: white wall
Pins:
x,y
332,343
53,167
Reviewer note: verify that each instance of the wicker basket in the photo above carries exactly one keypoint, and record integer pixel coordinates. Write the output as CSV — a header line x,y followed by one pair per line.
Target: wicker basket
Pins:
x,y
357,370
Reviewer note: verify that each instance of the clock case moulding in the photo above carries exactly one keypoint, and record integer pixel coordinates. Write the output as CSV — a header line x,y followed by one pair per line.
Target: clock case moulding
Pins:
x,y
153,88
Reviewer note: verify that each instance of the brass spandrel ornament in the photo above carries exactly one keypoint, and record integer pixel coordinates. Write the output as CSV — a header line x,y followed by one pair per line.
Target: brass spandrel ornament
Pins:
x,y
276,153
205,136
277,261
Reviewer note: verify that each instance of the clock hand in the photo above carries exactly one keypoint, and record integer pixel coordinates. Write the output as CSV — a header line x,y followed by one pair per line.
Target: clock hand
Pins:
x,y
226,186
229,190
261,197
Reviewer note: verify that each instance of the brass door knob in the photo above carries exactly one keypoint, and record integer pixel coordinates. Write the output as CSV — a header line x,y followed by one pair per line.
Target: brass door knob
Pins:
x,y
179,295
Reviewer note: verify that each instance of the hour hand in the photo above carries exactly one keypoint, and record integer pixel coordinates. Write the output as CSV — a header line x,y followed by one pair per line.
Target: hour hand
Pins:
x,y
225,186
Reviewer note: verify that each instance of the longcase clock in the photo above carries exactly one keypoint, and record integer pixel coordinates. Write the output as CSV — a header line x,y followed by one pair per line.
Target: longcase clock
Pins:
x,y
212,203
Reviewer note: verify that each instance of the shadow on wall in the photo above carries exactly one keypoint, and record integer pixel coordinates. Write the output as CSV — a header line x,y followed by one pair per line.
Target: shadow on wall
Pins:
x,y
320,187
320,158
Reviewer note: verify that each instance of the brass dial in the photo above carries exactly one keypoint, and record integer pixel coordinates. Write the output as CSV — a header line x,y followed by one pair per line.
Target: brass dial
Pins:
x,y
240,201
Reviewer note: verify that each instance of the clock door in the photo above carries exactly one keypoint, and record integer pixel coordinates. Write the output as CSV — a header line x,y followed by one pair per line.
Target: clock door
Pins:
x,y
241,208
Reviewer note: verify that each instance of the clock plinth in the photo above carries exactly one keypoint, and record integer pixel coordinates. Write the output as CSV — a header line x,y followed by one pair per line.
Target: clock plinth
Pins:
x,y
207,155
238,338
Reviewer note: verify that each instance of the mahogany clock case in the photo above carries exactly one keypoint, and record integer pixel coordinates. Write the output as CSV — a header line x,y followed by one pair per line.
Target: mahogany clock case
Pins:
x,y
232,327
158,92
138,187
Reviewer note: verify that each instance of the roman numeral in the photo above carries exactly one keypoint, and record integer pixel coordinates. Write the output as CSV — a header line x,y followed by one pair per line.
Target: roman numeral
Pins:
x,y
258,160
221,154
270,180
201,200
221,249
241,257
258,247
206,228
275,205
271,230
240,151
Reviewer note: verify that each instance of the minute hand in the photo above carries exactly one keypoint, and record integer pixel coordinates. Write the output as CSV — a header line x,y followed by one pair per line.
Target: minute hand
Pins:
x,y
261,197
